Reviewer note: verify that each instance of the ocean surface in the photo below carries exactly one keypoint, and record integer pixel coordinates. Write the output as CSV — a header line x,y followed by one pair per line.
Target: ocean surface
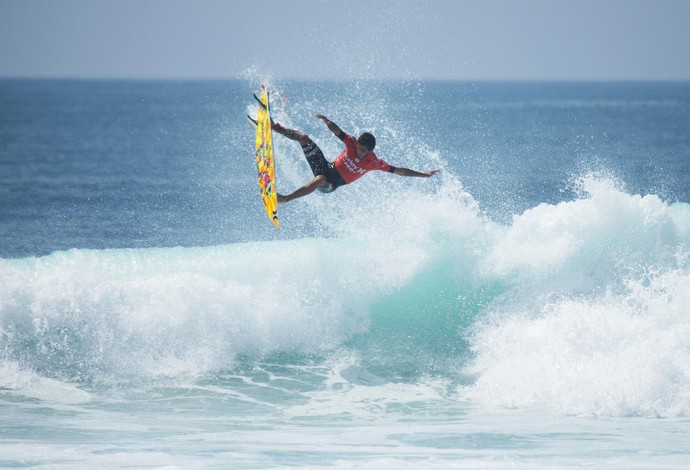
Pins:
x,y
527,307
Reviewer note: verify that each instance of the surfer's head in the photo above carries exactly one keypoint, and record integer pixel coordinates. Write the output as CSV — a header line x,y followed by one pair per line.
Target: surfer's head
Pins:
x,y
365,144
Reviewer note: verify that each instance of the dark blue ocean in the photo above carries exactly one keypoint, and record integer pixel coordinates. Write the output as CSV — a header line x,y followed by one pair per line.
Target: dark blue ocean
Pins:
x,y
527,307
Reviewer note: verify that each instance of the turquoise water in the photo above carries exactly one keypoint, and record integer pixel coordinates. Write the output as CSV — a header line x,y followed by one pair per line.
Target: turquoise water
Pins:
x,y
527,308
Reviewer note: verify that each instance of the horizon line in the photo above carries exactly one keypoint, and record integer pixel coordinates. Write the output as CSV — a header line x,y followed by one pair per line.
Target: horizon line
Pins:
x,y
338,80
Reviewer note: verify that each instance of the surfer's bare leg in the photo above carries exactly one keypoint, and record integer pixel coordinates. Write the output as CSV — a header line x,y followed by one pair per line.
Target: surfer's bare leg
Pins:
x,y
291,134
308,188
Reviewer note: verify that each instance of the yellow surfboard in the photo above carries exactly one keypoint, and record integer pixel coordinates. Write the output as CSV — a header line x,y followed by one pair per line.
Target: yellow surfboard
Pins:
x,y
264,156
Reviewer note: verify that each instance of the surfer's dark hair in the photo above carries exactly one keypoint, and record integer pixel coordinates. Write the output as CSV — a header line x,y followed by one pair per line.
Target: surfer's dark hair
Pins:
x,y
368,140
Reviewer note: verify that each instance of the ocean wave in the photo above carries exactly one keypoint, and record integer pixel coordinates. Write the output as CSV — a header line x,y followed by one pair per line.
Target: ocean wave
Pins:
x,y
580,306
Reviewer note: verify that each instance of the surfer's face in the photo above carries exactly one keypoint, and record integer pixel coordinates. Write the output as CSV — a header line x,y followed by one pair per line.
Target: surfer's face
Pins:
x,y
362,151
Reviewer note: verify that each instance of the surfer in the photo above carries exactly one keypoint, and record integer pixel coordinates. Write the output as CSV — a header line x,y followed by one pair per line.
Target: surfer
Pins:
x,y
355,161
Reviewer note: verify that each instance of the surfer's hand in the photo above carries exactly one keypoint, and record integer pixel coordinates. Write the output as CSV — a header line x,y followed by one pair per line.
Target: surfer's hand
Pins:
x,y
333,127
400,171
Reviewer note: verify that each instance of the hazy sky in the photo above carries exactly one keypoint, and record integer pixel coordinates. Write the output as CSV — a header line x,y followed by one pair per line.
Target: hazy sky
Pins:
x,y
325,39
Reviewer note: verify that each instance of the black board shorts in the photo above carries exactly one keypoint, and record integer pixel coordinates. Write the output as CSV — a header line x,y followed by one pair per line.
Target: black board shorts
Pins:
x,y
320,166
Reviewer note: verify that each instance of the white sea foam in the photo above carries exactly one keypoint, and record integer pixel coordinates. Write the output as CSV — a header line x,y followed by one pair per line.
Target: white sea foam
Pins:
x,y
597,323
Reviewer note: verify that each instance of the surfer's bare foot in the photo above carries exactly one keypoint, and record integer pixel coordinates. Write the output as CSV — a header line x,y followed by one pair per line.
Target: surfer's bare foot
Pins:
x,y
282,198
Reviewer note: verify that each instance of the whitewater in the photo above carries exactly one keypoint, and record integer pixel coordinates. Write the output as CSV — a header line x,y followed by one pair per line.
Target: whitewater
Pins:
x,y
397,323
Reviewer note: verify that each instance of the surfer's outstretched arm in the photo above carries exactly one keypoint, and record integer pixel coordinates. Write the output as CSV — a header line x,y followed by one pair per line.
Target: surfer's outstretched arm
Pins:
x,y
333,127
407,172
308,188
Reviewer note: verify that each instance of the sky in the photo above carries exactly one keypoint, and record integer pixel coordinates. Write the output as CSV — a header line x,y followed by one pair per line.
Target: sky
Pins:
x,y
347,39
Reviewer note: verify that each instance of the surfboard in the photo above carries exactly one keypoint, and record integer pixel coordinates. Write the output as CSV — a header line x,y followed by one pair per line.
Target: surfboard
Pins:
x,y
264,156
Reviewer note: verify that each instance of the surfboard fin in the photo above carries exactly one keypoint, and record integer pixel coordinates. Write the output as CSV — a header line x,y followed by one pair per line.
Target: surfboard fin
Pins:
x,y
258,100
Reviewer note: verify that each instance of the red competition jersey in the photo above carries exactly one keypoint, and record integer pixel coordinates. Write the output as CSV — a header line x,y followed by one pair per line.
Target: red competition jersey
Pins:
x,y
351,168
